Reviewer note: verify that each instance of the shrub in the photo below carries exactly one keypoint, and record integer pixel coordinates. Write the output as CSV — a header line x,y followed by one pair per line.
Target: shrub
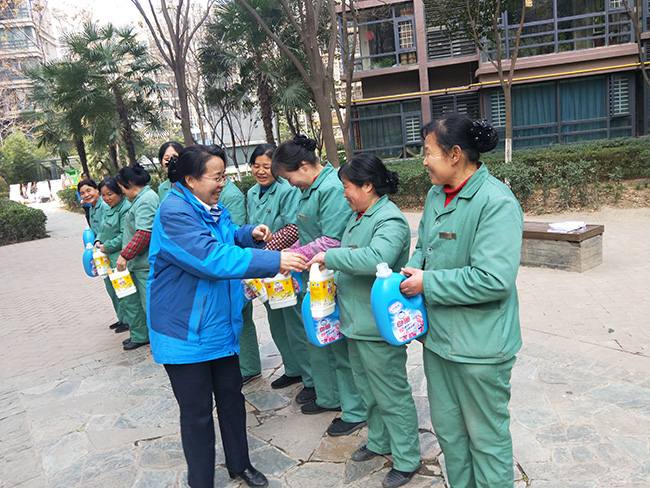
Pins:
x,y
519,177
246,183
154,183
19,223
414,182
70,199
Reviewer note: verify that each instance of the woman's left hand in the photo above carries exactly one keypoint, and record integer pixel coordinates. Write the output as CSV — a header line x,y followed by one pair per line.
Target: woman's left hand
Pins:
x,y
319,258
261,233
413,284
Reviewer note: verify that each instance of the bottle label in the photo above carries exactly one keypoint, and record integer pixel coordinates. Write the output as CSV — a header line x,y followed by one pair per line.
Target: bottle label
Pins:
x,y
327,330
93,267
322,293
406,323
101,262
280,290
122,283
249,293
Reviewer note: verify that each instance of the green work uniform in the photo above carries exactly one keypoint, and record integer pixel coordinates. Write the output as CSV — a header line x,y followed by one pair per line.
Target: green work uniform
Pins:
x,y
249,352
110,235
276,208
470,251
324,211
163,189
96,214
139,217
381,234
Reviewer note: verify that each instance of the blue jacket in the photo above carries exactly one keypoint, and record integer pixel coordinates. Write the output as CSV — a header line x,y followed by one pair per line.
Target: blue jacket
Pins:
x,y
194,291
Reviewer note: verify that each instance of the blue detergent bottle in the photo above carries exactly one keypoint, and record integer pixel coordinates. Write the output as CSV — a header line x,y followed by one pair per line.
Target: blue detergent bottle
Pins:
x,y
320,332
398,318
89,262
88,236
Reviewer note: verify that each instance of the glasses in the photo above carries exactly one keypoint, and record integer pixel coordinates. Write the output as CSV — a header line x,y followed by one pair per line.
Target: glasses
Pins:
x,y
217,179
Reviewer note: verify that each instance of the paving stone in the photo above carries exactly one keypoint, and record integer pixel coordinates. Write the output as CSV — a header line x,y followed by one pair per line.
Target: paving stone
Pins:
x,y
581,453
429,446
272,461
534,418
327,474
155,479
337,449
623,395
635,447
568,434
62,454
154,413
104,462
561,455
268,400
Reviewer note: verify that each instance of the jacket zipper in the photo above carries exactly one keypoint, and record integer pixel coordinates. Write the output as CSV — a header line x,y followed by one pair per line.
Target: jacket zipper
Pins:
x,y
198,328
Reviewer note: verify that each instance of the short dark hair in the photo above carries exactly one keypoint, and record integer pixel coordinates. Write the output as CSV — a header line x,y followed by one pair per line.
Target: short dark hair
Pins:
x,y
161,152
111,184
191,161
86,182
265,149
290,154
473,137
134,175
368,168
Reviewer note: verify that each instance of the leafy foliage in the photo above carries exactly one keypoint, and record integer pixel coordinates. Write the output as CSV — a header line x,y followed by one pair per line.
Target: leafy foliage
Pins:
x,y
18,159
19,223
70,199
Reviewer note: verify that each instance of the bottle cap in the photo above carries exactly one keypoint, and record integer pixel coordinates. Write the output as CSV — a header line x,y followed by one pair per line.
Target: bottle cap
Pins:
x,y
89,246
383,271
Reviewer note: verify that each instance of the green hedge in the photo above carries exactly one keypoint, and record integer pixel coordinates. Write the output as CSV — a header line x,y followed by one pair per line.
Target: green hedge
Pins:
x,y
70,199
19,223
246,183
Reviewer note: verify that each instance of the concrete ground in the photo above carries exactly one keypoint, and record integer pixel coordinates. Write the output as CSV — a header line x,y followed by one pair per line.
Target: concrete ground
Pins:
x,y
78,411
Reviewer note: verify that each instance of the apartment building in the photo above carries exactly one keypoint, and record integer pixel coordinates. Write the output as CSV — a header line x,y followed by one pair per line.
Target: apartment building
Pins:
x,y
577,76
26,39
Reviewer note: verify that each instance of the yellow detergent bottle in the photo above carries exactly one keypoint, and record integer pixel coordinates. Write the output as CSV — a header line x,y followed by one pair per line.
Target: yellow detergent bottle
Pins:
x,y
280,291
122,283
321,288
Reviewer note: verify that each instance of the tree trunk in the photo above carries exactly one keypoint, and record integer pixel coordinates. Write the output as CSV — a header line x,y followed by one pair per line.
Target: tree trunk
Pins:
x,y
81,151
327,125
112,150
266,111
181,87
127,130
507,96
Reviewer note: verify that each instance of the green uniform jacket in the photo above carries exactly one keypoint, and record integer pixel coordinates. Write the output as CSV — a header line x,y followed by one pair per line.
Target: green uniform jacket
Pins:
x,y
277,208
381,235
234,200
96,214
470,252
163,189
140,217
112,228
322,209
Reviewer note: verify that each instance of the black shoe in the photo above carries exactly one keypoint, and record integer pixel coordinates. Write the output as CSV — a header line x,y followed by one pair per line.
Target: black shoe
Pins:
x,y
126,341
341,427
306,395
284,381
363,454
312,408
251,477
121,328
250,377
396,478
134,345
115,325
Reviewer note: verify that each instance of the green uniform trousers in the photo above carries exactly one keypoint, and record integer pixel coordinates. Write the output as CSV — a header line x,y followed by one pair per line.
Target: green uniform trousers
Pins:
x,y
380,376
134,307
469,413
290,338
334,381
249,351
114,300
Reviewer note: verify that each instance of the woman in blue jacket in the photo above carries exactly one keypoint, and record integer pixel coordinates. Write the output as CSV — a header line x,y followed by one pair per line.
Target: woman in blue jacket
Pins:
x,y
198,258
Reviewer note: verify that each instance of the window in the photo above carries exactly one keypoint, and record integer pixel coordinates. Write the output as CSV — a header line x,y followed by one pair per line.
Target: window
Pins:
x,y
463,103
385,37
388,130
620,95
498,109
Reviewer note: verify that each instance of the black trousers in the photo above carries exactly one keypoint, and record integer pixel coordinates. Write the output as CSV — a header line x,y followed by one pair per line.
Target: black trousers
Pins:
x,y
194,385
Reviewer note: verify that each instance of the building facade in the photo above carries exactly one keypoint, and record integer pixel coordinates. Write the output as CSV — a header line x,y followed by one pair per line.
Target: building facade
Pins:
x,y
577,77
26,39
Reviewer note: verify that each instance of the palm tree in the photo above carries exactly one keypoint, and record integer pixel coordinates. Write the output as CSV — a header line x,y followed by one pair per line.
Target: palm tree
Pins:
x,y
121,66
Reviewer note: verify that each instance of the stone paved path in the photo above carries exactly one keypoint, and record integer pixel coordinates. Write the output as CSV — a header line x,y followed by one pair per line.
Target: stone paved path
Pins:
x,y
77,411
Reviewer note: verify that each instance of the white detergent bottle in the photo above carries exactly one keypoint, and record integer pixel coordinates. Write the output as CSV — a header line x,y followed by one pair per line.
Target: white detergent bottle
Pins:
x,y
101,262
280,292
398,318
321,288
122,283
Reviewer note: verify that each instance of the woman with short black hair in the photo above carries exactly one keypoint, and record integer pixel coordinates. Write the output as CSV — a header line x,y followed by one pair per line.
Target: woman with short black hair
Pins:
x,y
198,258
134,255
166,152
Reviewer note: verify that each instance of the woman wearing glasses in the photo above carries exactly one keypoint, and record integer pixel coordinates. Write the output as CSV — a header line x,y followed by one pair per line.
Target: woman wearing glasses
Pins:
x,y
198,257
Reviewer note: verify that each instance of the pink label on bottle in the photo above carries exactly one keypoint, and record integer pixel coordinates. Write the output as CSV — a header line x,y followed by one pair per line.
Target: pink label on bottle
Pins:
x,y
406,323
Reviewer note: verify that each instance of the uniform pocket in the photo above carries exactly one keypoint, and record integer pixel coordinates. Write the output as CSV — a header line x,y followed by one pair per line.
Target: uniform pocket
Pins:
x,y
477,332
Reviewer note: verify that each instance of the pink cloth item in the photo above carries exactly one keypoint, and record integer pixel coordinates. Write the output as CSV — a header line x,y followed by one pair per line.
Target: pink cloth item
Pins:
x,y
323,243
